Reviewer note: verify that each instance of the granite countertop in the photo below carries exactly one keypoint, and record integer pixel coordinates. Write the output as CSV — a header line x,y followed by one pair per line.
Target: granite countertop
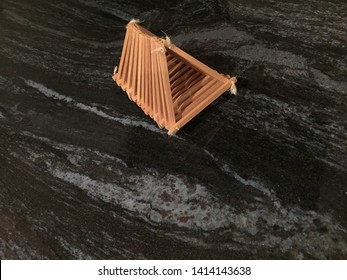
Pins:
x,y
85,174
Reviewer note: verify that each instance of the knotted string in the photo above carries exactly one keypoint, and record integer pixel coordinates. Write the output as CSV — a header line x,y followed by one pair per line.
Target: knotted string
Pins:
x,y
160,49
233,88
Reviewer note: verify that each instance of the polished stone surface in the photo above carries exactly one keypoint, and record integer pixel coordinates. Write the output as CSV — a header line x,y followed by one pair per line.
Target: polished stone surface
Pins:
x,y
84,174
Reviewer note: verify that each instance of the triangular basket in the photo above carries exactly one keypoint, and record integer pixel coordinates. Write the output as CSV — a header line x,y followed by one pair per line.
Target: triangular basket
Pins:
x,y
169,85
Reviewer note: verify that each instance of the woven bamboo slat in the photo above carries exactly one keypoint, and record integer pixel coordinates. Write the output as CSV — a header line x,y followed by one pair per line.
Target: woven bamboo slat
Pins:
x,y
168,84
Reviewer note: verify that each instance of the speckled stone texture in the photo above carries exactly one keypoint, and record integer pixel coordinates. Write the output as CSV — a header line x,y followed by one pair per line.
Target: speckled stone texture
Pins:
x,y
84,174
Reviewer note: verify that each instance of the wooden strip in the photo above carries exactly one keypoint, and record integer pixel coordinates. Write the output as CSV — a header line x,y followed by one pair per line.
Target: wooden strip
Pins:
x,y
176,68
188,115
172,62
194,88
162,113
168,56
170,115
146,32
141,71
148,75
182,80
153,93
190,95
179,73
135,66
198,65
122,74
122,65
130,59
204,93
192,80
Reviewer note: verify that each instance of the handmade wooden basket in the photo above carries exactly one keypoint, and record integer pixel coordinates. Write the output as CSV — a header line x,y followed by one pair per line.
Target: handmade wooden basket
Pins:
x,y
169,85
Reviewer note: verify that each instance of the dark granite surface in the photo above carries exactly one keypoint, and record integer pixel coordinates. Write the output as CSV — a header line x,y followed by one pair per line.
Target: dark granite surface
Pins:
x,y
84,174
